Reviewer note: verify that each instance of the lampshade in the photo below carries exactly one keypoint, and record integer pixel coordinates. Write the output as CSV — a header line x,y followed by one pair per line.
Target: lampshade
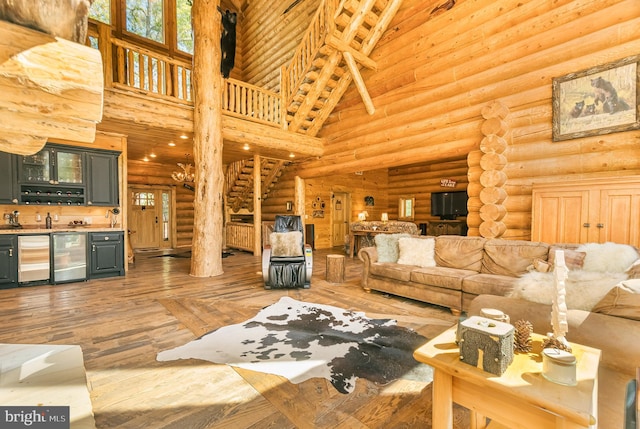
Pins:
x,y
385,217
363,215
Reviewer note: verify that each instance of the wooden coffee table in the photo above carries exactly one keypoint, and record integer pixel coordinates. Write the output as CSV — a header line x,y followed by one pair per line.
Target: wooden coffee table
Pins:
x,y
521,397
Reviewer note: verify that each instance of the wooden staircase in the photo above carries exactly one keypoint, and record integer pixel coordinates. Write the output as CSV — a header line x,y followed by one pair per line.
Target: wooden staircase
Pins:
x,y
334,48
239,181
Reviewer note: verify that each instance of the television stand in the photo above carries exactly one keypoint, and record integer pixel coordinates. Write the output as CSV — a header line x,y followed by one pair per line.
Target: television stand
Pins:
x,y
447,227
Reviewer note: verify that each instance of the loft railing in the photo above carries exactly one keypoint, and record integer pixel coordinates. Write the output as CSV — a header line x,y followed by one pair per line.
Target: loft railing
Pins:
x,y
135,68
322,24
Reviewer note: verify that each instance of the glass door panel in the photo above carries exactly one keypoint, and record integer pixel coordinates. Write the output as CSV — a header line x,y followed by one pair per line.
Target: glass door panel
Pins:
x,y
36,168
69,167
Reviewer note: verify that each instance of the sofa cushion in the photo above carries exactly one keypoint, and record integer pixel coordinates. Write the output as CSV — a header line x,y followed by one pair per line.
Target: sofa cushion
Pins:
x,y
387,245
622,301
511,257
459,252
448,278
490,284
391,270
634,270
416,251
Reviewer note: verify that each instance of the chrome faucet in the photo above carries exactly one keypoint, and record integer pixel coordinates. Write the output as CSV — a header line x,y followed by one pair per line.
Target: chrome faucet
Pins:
x,y
114,216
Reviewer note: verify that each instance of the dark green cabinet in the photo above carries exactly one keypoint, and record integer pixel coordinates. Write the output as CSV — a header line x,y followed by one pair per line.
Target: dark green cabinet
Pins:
x,y
53,165
8,261
59,175
106,253
102,178
8,178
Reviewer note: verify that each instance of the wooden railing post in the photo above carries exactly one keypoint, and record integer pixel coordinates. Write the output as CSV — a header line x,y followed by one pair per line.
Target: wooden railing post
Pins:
x,y
106,50
284,96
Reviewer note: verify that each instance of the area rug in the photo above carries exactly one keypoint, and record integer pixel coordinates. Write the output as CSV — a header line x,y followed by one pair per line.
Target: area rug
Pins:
x,y
300,340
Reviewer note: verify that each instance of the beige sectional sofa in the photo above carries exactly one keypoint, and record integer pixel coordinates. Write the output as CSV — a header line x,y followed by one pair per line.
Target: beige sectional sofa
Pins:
x,y
451,270
465,267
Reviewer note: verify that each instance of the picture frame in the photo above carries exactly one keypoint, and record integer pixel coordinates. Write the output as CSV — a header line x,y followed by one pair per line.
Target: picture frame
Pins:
x,y
600,100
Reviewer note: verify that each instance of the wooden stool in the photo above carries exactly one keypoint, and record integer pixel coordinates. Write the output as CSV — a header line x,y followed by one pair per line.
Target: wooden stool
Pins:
x,y
335,268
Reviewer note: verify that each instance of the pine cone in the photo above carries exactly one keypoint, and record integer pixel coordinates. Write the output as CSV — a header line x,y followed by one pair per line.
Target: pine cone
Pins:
x,y
522,336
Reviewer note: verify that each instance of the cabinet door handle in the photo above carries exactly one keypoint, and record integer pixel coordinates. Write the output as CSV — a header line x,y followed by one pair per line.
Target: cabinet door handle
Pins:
x,y
586,225
156,219
600,225
10,253
93,247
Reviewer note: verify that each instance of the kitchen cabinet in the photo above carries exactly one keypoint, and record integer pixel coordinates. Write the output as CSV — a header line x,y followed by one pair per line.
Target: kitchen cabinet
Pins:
x,y
587,211
54,165
447,227
9,188
106,253
102,178
8,261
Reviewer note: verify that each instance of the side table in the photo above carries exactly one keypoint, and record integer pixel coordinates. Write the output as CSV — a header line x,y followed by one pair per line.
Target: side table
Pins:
x,y
521,397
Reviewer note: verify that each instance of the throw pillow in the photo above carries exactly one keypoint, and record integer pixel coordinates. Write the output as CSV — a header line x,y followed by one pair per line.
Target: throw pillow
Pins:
x,y
387,246
622,301
608,257
286,243
573,259
417,251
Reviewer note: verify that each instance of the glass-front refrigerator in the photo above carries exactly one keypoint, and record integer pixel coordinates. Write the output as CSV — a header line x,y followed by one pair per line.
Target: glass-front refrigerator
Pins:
x,y
69,256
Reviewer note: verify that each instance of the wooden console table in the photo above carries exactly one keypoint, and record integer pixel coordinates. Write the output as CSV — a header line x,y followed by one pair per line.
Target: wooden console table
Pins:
x,y
361,233
521,397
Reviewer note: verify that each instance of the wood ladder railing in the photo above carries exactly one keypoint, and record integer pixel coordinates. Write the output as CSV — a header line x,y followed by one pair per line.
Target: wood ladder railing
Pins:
x,y
239,181
336,45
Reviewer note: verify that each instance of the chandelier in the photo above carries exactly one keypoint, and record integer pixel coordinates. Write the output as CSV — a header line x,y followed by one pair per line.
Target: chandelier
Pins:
x,y
186,173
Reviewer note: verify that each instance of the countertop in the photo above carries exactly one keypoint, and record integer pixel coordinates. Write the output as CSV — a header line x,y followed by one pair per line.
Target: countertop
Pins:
x,y
29,229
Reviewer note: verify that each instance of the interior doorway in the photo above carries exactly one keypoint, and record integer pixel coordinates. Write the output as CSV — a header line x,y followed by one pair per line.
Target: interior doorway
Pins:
x,y
340,209
150,218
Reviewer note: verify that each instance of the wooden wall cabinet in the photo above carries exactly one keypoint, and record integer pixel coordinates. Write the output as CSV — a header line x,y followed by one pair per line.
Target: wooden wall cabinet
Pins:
x,y
589,211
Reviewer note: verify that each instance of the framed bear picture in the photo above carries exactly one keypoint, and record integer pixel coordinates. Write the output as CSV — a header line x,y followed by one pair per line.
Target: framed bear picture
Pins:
x,y
599,100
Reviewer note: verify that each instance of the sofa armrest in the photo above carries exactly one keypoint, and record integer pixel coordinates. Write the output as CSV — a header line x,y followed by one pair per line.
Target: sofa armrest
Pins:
x,y
368,255
615,336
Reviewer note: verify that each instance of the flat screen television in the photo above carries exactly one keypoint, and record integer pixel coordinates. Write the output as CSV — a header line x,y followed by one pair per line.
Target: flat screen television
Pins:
x,y
449,205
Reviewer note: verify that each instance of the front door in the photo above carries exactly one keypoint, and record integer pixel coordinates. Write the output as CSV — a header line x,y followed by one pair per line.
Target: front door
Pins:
x,y
340,209
149,217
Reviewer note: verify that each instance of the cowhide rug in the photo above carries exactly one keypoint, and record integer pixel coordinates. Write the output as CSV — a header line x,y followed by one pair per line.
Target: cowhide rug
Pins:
x,y
300,340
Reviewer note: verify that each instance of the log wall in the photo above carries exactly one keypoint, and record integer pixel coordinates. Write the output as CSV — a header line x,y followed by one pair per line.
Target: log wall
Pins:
x,y
420,181
270,37
153,173
370,183
437,71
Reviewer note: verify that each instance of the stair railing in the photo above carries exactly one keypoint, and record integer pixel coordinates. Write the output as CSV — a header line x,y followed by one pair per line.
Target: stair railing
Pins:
x,y
292,76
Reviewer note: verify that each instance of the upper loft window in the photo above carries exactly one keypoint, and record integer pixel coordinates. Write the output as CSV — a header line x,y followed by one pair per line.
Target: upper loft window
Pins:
x,y
184,28
101,11
145,18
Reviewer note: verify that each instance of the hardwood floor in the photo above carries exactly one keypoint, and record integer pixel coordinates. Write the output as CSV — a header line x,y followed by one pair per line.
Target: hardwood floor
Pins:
x,y
122,323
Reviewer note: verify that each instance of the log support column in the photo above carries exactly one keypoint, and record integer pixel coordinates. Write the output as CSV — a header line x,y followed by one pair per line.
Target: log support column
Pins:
x,y
206,260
